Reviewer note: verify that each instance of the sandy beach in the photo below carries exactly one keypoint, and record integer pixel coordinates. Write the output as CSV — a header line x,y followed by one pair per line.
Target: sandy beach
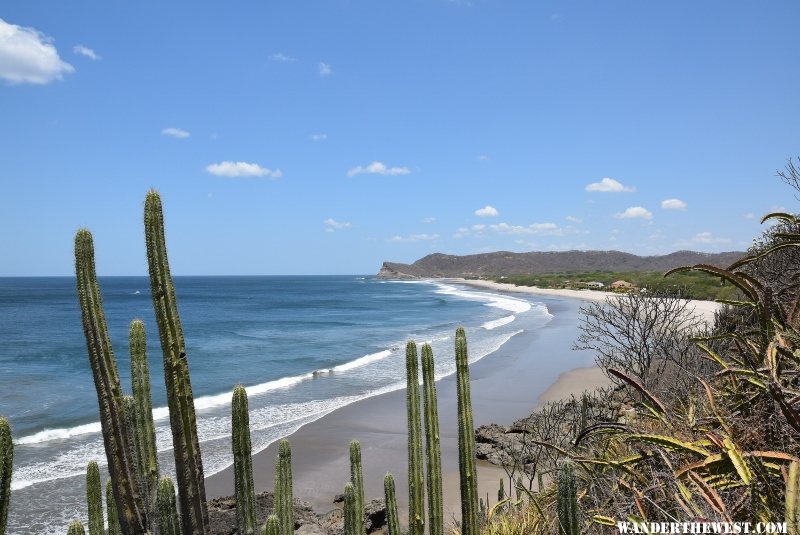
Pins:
x,y
533,366
704,308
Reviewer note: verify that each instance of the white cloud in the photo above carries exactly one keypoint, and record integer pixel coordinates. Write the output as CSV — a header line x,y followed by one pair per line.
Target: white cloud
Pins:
x,y
483,158
707,238
573,219
429,220
541,229
749,215
28,56
378,168
331,225
177,133
277,56
239,169
673,204
414,238
324,69
487,211
319,137
608,185
86,51
634,212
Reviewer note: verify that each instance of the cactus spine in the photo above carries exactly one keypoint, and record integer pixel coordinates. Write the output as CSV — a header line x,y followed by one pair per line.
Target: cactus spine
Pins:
x,y
284,501
466,440
186,445
111,511
242,463
416,490
567,501
6,462
75,528
94,499
433,450
168,522
350,510
392,519
143,414
121,463
272,526
357,479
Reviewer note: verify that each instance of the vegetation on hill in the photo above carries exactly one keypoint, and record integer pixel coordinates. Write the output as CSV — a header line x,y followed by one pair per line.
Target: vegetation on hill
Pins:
x,y
689,285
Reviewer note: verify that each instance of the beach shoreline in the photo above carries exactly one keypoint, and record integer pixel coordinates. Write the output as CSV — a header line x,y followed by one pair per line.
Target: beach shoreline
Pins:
x,y
706,309
533,366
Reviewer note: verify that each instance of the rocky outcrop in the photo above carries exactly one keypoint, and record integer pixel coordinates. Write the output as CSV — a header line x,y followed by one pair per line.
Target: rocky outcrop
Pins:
x,y
508,263
222,516
390,271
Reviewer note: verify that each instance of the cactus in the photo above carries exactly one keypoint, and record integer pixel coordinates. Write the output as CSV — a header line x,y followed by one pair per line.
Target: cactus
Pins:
x,y
272,526
121,463
567,500
167,510
792,515
519,488
416,491
242,463
501,492
433,449
466,440
350,523
6,462
111,510
186,445
75,528
392,519
357,479
284,501
143,414
94,499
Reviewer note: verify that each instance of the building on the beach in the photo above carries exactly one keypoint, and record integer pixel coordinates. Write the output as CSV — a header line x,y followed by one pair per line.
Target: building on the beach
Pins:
x,y
595,284
622,285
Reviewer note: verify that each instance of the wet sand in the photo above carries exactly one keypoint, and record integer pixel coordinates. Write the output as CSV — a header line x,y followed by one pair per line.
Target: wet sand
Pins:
x,y
506,385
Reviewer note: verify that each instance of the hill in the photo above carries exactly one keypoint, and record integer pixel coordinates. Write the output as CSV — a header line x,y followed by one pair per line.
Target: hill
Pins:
x,y
533,263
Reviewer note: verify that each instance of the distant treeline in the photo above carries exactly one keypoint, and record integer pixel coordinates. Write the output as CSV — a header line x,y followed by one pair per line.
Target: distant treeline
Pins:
x,y
691,285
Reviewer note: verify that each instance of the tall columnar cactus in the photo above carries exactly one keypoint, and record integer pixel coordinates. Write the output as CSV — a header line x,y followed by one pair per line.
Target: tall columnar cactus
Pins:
x,y
392,518
432,447
186,445
501,492
792,513
584,413
111,510
6,462
143,416
272,526
416,490
567,501
242,463
128,493
466,440
350,524
284,499
75,528
94,499
167,510
357,479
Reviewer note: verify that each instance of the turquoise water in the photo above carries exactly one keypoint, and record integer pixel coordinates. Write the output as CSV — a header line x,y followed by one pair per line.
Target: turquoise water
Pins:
x,y
303,346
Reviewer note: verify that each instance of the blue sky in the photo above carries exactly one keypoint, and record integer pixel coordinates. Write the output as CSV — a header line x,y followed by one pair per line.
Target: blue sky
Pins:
x,y
323,137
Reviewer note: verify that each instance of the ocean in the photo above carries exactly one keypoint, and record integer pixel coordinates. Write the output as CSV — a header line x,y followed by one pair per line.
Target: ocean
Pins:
x,y
303,346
